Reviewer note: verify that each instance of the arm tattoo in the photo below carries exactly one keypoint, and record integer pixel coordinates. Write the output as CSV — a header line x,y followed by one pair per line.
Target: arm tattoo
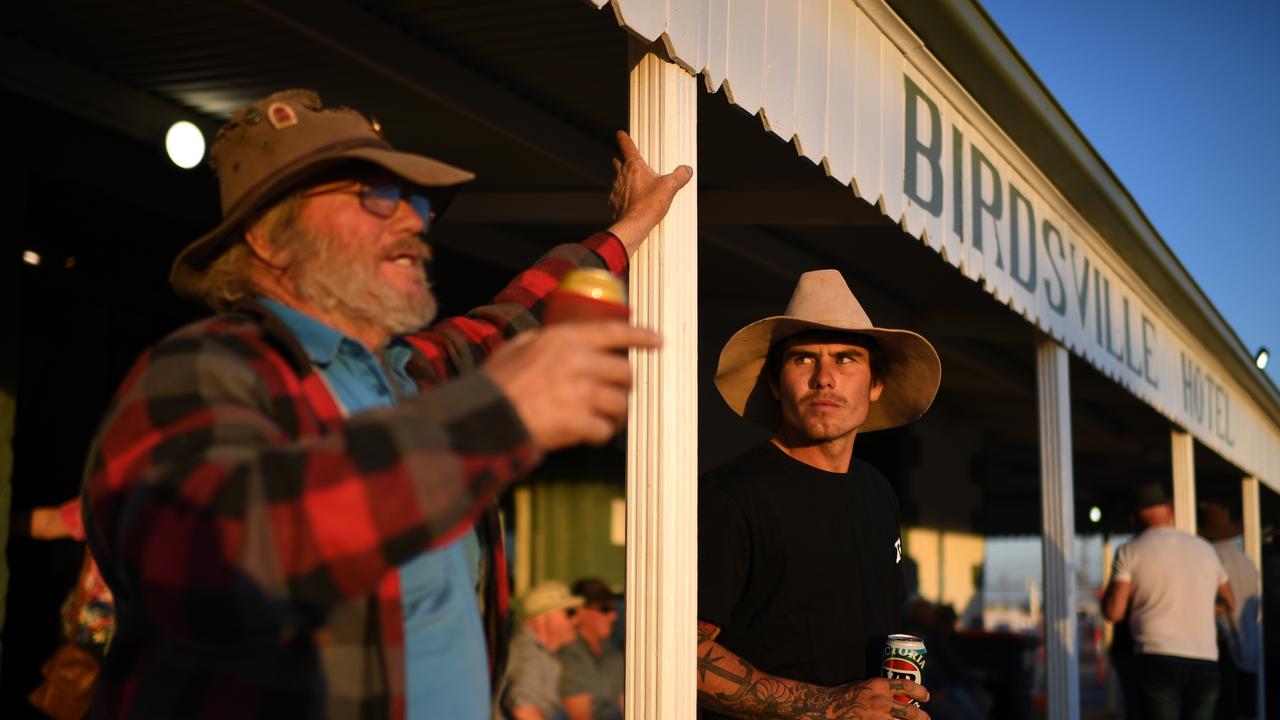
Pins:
x,y
729,684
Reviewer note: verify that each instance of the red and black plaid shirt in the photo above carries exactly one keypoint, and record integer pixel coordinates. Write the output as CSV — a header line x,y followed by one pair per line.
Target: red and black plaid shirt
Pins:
x,y
250,532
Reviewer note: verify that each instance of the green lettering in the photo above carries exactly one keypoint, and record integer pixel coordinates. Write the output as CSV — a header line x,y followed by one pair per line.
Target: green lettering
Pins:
x,y
1097,308
1188,387
1081,286
1016,201
1106,294
917,150
1128,342
993,207
957,182
1147,351
1060,305
1219,403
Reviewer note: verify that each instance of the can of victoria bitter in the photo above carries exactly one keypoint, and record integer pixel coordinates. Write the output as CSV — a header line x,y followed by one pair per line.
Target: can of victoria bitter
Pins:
x,y
904,657
587,294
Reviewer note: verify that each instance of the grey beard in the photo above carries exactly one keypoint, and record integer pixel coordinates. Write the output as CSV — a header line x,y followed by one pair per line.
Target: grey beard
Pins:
x,y
352,286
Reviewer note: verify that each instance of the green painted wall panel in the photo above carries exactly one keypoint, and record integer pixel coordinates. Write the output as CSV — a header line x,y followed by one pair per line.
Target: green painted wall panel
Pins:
x,y
572,512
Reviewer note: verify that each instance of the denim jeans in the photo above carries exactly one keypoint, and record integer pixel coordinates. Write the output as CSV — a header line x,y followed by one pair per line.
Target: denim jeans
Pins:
x,y
1175,688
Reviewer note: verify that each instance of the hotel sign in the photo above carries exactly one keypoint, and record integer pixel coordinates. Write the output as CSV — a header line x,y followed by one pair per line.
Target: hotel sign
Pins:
x,y
857,92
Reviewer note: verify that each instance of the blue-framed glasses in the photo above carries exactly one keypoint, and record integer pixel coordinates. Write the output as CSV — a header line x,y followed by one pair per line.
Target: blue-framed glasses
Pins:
x,y
382,199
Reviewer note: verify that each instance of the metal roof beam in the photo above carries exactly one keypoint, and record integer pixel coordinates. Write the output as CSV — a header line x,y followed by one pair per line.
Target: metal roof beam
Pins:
x,y
383,48
27,70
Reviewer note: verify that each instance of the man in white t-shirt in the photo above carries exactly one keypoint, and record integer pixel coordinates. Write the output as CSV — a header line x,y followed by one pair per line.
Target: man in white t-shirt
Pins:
x,y
1167,582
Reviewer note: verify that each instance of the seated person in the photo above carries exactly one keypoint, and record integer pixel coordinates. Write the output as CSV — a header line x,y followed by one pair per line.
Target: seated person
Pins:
x,y
530,687
592,668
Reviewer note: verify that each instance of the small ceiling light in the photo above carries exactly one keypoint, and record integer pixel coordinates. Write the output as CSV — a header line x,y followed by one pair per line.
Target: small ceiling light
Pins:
x,y
31,257
185,144
1095,514
1261,358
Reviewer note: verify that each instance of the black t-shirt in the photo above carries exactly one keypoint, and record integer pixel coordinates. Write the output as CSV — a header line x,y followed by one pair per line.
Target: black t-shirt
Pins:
x,y
800,568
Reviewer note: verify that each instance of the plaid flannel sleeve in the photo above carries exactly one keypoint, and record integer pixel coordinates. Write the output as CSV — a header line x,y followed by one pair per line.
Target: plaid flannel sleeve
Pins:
x,y
459,344
216,519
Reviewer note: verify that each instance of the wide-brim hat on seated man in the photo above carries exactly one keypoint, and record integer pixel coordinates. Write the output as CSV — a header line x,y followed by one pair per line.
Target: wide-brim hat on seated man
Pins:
x,y
273,145
544,597
823,301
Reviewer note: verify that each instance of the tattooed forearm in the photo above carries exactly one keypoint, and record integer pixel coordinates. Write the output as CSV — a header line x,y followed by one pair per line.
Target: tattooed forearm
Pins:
x,y
730,685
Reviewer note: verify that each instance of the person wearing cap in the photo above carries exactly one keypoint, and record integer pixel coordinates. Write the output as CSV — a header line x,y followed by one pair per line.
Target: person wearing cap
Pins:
x,y
593,669
530,689
1239,631
799,552
292,500
1167,583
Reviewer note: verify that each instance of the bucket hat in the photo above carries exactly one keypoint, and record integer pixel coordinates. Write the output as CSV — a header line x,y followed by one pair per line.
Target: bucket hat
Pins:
x,y
269,147
1149,495
546,596
595,592
823,301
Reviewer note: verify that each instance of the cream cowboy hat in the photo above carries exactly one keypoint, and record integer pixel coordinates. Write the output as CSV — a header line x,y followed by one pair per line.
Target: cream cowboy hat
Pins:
x,y
271,146
822,301
546,596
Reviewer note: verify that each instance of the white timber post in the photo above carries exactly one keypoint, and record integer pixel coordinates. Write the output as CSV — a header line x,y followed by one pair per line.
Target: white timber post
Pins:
x,y
662,433
1251,512
523,496
1184,481
1108,629
1057,512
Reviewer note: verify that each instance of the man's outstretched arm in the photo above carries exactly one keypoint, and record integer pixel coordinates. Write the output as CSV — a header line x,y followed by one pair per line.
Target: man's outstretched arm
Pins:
x,y
729,685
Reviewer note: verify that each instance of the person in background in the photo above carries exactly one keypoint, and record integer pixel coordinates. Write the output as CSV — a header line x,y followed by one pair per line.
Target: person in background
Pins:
x,y
292,500
87,616
91,623
1167,583
1239,630
530,689
593,671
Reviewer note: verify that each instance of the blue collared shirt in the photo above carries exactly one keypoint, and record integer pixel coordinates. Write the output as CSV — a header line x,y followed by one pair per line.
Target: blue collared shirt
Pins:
x,y
446,668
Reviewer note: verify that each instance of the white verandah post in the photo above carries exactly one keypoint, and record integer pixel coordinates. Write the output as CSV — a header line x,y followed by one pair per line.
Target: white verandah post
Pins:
x,y
1251,514
1184,480
662,434
1057,512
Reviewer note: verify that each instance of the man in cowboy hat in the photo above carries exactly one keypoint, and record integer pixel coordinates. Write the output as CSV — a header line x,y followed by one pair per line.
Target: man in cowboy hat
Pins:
x,y
799,555
282,497
530,690
1167,583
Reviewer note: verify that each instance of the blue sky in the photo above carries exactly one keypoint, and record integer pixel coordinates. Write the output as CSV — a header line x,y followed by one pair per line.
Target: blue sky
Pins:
x,y
1182,100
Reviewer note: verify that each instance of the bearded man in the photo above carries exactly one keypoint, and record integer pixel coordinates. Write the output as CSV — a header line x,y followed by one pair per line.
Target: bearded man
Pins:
x,y
799,552
283,497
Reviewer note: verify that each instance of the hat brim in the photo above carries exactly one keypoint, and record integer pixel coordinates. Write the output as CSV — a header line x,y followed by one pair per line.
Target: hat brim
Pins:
x,y
911,380
440,178
569,603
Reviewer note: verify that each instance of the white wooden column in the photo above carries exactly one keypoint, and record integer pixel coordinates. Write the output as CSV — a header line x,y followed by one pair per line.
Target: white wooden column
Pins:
x,y
1057,512
1184,481
1251,514
662,435
523,496
1109,629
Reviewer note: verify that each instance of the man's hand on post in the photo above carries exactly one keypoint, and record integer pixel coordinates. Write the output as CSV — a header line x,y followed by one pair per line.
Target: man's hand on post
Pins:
x,y
640,197
569,382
